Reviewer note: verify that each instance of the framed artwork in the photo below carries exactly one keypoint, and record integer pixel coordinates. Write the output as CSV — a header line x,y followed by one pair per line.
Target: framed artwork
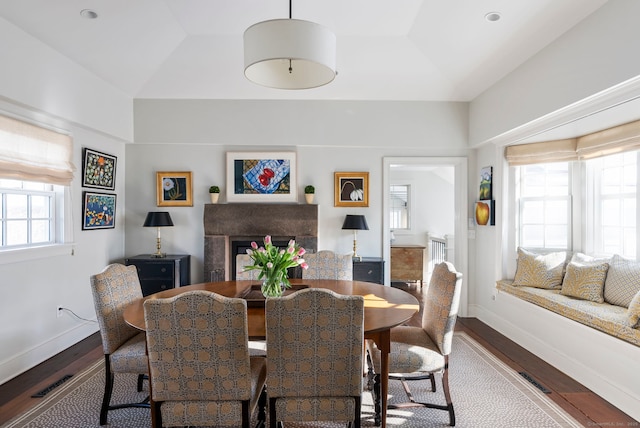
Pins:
x,y
486,185
485,213
261,177
98,211
98,169
351,189
174,189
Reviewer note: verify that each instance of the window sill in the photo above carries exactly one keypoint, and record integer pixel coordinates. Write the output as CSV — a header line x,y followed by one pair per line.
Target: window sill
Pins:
x,y
34,253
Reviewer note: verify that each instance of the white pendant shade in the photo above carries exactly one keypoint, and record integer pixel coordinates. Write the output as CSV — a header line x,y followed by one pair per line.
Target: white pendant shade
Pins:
x,y
271,47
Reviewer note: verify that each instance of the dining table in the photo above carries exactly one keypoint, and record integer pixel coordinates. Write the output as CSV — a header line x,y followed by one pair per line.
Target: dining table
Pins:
x,y
384,308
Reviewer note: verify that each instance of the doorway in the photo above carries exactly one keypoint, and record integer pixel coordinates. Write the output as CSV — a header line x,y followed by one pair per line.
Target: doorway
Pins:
x,y
451,173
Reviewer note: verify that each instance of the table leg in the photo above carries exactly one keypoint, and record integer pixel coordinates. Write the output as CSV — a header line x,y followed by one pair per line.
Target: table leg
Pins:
x,y
383,342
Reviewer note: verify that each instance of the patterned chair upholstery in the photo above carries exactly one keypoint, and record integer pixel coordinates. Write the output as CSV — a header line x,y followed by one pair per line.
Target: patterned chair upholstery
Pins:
x,y
315,356
124,346
419,352
328,265
243,260
201,371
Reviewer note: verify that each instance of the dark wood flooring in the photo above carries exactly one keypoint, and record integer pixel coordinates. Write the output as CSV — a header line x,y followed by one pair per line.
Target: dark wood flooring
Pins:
x,y
585,406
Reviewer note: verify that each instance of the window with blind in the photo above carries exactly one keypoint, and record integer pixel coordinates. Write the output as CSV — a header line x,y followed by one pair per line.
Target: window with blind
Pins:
x,y
36,170
579,194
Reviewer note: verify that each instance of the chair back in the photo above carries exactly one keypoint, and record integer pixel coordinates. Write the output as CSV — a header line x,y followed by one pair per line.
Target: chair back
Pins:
x,y
315,344
441,304
198,350
113,289
326,264
243,260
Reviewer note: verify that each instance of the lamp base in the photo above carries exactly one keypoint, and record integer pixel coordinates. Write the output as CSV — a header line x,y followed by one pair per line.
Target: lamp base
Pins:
x,y
158,255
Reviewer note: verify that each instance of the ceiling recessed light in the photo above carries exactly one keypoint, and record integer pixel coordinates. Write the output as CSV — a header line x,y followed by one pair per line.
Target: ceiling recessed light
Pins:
x,y
88,14
492,16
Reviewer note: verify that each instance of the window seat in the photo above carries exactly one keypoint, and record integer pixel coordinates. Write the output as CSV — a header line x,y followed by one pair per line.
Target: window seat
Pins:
x,y
605,317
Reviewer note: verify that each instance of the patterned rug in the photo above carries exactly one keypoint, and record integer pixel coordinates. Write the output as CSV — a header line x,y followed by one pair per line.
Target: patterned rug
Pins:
x,y
485,393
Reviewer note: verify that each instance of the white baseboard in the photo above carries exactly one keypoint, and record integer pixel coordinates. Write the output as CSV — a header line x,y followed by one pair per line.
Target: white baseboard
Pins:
x,y
24,361
606,365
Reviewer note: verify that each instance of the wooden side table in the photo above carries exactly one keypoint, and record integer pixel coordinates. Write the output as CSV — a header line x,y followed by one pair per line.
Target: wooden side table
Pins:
x,y
370,269
407,262
161,273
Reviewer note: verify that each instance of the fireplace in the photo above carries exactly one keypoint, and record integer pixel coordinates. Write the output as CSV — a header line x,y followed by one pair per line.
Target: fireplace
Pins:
x,y
230,228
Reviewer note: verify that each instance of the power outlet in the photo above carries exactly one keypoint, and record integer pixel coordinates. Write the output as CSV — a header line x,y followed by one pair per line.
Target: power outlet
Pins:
x,y
59,311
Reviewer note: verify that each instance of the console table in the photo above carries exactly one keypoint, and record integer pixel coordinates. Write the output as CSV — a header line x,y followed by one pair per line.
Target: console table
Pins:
x,y
161,273
407,262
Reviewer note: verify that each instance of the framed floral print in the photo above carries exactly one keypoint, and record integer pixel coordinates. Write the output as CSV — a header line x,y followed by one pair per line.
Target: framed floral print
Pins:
x,y
98,211
351,189
174,189
98,169
261,177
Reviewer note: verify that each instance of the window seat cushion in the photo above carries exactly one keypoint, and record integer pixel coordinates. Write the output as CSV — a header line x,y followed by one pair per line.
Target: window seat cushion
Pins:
x,y
608,318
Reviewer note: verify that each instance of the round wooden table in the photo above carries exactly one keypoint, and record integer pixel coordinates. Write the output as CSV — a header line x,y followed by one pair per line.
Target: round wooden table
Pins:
x,y
384,308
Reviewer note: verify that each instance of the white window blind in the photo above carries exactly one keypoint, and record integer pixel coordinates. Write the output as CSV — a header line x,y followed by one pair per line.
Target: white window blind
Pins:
x,y
31,153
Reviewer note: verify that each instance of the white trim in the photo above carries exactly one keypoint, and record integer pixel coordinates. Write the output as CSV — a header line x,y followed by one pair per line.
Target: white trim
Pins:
x,y
34,253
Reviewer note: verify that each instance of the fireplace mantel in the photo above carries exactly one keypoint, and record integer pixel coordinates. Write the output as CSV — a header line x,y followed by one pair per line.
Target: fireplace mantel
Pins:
x,y
224,223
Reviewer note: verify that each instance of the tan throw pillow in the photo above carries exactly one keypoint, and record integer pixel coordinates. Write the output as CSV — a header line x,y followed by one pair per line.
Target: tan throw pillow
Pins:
x,y
540,270
623,281
633,313
585,281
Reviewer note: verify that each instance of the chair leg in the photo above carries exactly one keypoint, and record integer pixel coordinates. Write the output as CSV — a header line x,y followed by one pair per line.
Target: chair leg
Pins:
x,y
262,406
246,415
377,400
108,388
447,394
141,379
272,413
358,412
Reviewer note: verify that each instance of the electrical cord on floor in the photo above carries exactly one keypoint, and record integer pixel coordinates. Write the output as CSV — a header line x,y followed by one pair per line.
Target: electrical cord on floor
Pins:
x,y
76,315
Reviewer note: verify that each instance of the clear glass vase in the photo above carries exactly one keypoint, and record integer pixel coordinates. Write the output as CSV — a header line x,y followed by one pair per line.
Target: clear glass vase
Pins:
x,y
272,287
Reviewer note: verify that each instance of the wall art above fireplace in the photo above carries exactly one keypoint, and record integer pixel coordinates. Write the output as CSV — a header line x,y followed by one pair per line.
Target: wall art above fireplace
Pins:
x,y
261,177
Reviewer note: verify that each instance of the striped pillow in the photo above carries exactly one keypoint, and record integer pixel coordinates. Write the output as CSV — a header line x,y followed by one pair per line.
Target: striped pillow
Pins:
x,y
585,281
623,281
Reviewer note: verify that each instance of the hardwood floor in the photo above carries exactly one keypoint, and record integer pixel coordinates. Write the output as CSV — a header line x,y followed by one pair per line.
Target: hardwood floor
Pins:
x,y
585,406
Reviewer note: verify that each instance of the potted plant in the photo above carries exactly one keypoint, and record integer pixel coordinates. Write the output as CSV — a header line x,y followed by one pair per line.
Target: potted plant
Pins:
x,y
309,191
214,192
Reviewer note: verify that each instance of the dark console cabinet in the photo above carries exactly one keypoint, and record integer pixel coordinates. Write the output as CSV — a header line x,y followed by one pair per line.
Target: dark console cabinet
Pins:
x,y
161,273
370,269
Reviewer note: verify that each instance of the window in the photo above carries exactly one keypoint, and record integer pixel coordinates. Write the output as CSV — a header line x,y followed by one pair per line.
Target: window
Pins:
x,y
36,170
596,215
399,206
612,193
544,205
27,214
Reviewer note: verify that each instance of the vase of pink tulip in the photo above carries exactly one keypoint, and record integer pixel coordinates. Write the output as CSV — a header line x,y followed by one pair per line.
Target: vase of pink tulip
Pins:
x,y
273,264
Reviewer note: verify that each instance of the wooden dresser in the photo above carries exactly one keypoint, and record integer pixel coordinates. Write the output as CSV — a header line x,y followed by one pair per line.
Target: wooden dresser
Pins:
x,y
407,262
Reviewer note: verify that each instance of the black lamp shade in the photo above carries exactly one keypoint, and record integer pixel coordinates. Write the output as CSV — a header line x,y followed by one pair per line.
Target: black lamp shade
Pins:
x,y
356,222
158,219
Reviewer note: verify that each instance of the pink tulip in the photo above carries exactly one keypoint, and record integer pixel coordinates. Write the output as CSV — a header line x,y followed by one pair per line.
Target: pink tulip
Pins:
x,y
301,251
249,251
281,252
267,239
254,245
304,266
290,250
292,243
269,265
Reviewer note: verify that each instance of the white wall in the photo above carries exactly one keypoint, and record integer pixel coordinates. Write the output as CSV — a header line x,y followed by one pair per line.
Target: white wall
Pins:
x,y
346,136
38,84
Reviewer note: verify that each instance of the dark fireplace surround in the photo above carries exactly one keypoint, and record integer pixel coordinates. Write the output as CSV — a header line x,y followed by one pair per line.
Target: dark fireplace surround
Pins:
x,y
227,226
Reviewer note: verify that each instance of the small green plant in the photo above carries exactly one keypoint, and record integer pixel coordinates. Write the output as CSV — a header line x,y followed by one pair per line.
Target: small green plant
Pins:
x,y
309,190
214,189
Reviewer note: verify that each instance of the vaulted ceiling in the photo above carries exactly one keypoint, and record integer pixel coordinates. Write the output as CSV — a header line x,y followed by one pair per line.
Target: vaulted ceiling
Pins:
x,y
435,50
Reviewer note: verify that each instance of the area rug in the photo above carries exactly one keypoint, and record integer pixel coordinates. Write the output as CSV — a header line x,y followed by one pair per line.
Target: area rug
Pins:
x,y
485,393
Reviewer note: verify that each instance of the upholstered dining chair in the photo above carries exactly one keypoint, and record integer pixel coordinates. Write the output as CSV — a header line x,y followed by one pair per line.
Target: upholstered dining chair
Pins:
x,y
314,357
243,260
201,371
326,264
124,346
417,353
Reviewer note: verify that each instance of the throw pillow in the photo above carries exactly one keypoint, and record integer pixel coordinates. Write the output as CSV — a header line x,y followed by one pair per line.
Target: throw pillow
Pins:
x,y
623,281
585,281
540,270
633,313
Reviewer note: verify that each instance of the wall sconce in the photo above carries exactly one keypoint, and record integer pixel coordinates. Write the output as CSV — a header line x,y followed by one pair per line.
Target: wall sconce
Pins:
x,y
158,219
355,223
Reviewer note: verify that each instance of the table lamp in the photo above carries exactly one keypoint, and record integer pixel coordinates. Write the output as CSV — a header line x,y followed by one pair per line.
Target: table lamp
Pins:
x,y
158,219
355,223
